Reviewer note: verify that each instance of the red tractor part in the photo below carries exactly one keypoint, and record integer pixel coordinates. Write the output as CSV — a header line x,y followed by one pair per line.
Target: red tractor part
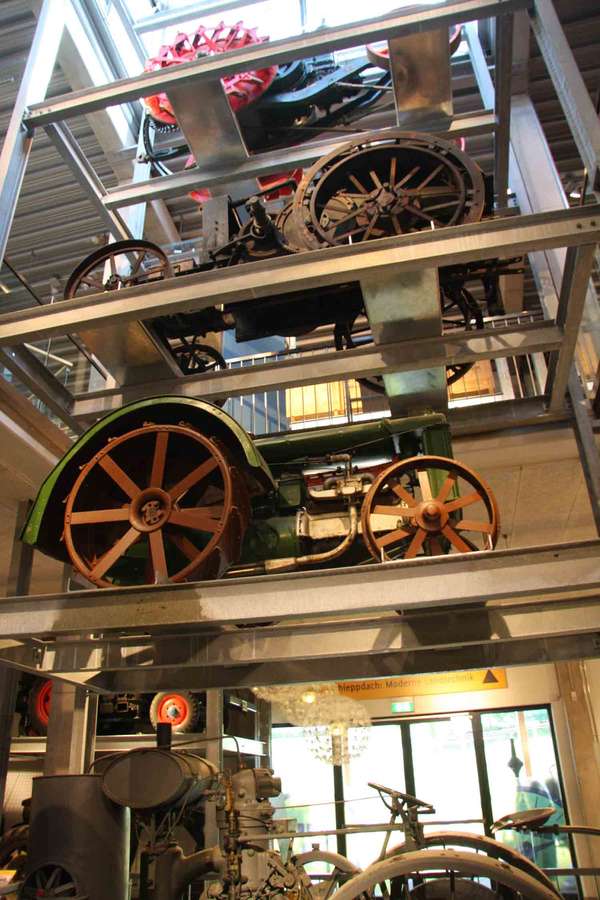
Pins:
x,y
39,706
277,185
179,709
241,89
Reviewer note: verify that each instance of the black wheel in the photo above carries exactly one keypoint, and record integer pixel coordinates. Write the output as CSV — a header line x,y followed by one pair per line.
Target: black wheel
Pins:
x,y
180,709
373,187
116,266
13,850
195,358
50,880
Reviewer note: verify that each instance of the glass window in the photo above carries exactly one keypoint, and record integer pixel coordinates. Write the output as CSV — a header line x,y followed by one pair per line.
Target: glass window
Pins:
x,y
445,767
383,763
523,774
308,791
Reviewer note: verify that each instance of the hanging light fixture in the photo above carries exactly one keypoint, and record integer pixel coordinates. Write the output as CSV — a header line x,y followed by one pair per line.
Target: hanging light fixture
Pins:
x,y
336,728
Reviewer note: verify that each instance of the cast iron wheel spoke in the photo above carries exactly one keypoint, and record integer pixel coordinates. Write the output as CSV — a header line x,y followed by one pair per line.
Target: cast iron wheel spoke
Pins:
x,y
447,486
193,478
392,537
197,518
372,224
357,184
159,459
429,178
157,555
127,485
461,502
435,547
184,544
467,525
416,544
407,178
88,517
396,511
425,485
455,539
403,494
116,551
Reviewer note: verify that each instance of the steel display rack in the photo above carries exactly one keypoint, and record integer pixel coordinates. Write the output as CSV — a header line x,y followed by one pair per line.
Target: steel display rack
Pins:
x,y
544,605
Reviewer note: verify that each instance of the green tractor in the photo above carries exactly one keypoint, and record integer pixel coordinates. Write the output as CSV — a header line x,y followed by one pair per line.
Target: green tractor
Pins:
x,y
171,489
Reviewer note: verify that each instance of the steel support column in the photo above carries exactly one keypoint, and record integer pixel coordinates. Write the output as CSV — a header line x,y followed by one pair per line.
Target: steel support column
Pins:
x,y
214,753
34,84
71,730
537,185
569,86
84,173
573,291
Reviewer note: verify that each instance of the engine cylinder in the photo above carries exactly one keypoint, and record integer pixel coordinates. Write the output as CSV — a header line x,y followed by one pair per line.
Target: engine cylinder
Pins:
x,y
152,777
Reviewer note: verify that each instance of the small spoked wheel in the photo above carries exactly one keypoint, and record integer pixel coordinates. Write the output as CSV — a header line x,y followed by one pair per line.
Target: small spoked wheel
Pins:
x,y
116,266
157,504
50,881
196,358
428,505
327,871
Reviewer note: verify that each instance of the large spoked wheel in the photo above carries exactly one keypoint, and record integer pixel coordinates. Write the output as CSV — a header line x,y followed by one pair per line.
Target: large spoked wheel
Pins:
x,y
50,881
480,844
451,874
160,503
327,871
373,188
416,506
116,266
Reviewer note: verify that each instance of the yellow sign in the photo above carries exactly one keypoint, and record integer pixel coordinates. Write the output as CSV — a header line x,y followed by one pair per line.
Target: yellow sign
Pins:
x,y
433,683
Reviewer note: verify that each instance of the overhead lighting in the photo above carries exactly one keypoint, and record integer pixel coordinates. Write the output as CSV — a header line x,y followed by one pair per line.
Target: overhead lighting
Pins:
x,y
3,288
575,195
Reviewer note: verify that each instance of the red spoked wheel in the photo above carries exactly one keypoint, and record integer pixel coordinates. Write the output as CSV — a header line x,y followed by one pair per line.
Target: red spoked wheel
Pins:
x,y
428,506
39,706
242,88
161,503
179,709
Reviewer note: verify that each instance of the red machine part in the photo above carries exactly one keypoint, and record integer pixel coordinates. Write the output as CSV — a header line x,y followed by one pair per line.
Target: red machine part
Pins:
x,y
277,183
241,88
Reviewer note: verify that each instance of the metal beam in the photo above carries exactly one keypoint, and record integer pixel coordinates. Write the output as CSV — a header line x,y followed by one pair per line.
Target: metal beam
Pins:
x,y
496,237
121,743
575,280
260,164
420,630
402,356
34,84
502,98
531,631
70,151
569,570
257,56
569,85
34,375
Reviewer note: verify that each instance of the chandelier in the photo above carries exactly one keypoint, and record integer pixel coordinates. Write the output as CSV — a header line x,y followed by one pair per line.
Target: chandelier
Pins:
x,y
336,727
